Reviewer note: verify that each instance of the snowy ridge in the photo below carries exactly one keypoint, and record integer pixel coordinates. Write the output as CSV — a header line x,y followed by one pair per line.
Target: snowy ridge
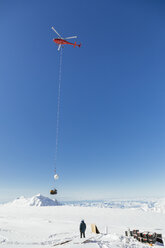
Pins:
x,y
145,205
154,205
37,201
112,204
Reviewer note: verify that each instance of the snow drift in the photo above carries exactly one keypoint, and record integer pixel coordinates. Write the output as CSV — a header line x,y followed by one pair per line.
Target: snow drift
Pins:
x,y
37,201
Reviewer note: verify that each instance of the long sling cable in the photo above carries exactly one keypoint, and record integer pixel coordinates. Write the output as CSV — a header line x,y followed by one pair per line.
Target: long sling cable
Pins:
x,y
58,111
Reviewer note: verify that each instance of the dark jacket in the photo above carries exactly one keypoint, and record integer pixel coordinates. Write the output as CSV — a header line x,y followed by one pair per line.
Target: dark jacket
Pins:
x,y
82,226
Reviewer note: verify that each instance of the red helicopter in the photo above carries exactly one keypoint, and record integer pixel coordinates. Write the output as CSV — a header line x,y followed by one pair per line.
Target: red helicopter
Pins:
x,y
63,41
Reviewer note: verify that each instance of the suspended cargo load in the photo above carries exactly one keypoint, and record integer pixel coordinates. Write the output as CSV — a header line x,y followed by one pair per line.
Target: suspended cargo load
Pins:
x,y
53,191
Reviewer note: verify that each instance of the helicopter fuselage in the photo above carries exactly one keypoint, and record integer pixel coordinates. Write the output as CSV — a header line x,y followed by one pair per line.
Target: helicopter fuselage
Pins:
x,y
64,42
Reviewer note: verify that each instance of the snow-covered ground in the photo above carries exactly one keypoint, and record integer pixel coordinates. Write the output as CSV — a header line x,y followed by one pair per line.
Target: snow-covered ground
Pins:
x,y
30,223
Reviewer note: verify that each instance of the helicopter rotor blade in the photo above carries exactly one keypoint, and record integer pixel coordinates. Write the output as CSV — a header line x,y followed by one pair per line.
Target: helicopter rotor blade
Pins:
x,y
73,37
56,32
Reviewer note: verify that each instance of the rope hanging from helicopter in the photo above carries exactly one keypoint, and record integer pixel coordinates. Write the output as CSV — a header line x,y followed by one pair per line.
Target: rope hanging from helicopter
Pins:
x,y
58,111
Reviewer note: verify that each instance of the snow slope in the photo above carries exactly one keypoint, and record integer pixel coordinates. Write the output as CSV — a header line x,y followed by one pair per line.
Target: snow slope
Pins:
x,y
23,226
37,200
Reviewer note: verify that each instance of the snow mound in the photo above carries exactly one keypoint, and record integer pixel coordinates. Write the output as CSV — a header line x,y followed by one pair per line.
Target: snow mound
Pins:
x,y
40,200
37,201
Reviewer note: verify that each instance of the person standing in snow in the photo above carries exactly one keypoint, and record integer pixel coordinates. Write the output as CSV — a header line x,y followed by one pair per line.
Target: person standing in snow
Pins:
x,y
82,229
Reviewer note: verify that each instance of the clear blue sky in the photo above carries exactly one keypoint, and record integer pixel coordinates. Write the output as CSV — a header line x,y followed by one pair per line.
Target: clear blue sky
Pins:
x,y
112,120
